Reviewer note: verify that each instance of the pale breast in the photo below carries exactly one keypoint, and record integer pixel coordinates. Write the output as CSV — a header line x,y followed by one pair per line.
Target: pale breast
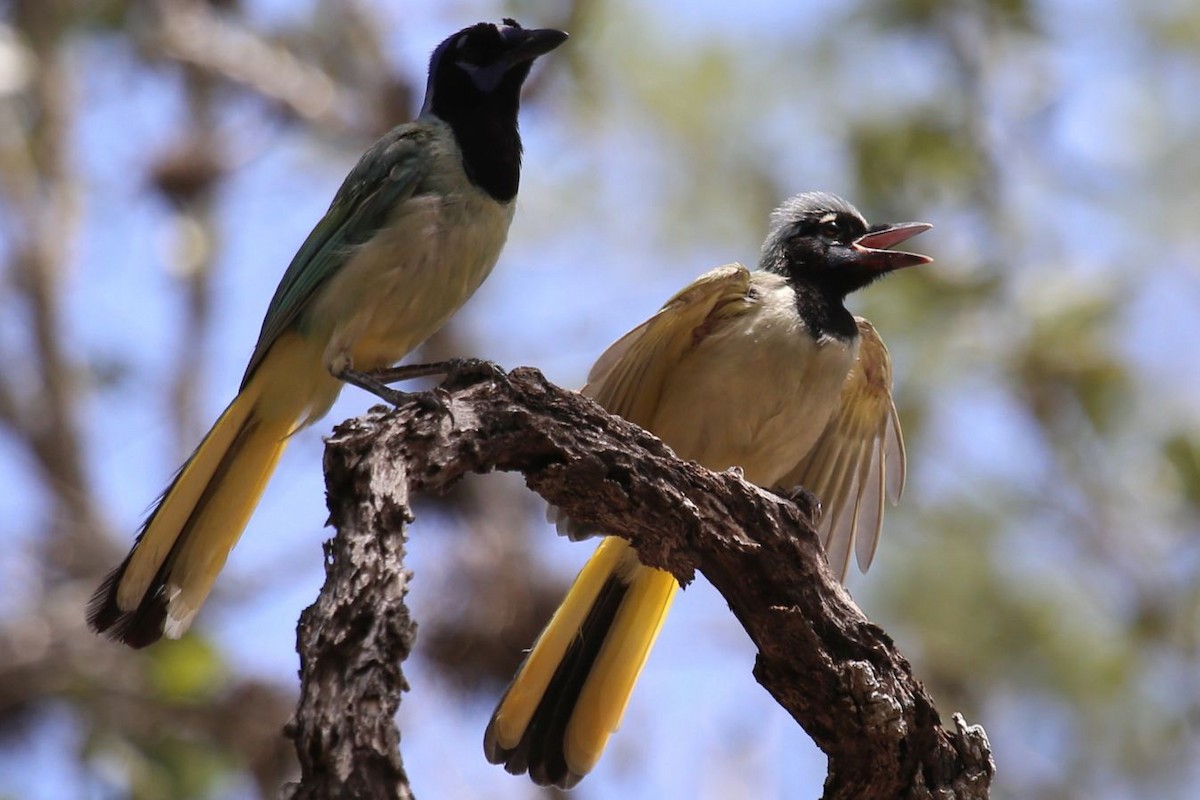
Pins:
x,y
757,392
396,290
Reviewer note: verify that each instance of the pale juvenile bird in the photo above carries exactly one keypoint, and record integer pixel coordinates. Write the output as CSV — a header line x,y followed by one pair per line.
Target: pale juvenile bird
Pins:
x,y
766,371
411,234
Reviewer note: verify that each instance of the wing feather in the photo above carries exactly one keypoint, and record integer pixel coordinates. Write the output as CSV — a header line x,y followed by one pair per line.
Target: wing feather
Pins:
x,y
387,174
893,444
858,459
870,508
845,490
628,378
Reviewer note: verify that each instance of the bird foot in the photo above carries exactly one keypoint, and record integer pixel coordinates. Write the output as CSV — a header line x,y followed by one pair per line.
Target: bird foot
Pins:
x,y
808,502
368,382
456,371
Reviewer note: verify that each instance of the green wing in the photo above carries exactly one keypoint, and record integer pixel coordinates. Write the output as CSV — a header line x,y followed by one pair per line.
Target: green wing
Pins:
x,y
389,173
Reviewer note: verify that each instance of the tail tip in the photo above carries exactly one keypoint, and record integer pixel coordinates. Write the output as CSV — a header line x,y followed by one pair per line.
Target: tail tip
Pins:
x,y
516,760
137,628
178,618
102,609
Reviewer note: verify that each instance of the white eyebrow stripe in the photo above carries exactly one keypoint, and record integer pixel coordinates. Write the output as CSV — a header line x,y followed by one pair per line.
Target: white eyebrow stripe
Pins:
x,y
830,217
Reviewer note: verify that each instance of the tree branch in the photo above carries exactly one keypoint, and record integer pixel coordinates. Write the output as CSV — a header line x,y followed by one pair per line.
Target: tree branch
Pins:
x,y
838,675
354,638
192,34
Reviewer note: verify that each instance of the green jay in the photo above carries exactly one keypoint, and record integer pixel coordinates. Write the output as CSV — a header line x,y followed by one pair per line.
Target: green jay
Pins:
x,y
413,231
763,370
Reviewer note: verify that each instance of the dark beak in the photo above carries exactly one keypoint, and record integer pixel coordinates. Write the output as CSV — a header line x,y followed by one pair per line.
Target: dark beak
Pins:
x,y
526,45
870,250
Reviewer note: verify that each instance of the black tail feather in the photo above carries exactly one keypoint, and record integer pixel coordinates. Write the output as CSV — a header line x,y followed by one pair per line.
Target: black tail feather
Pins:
x,y
138,628
541,750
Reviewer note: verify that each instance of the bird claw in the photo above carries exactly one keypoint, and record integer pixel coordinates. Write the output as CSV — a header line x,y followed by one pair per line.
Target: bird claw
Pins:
x,y
808,502
465,371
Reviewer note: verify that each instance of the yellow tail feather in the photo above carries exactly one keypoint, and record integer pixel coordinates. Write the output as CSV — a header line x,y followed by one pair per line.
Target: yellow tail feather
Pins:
x,y
570,693
179,501
188,536
607,691
529,686
219,518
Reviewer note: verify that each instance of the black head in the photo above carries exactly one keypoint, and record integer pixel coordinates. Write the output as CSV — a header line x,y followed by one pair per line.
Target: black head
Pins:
x,y
475,79
821,240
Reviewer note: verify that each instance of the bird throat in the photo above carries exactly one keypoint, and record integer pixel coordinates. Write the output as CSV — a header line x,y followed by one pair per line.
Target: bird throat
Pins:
x,y
824,312
490,142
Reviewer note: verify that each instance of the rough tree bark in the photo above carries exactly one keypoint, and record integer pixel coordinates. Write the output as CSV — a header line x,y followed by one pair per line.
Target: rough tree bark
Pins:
x,y
836,673
353,639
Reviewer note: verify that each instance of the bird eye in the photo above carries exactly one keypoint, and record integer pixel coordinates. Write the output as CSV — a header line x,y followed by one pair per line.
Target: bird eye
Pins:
x,y
831,229
470,51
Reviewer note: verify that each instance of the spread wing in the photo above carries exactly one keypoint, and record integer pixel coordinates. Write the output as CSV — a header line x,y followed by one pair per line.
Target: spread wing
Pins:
x,y
386,175
858,459
629,376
